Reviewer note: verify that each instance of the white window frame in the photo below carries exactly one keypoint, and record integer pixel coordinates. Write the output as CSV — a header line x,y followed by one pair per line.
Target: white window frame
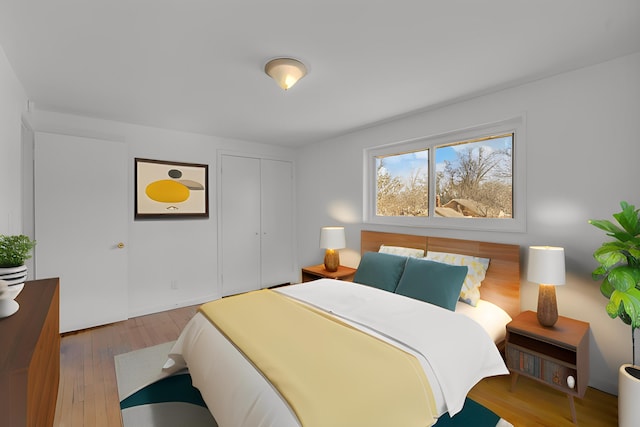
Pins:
x,y
516,224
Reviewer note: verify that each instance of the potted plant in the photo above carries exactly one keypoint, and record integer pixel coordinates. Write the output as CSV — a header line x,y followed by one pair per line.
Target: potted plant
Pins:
x,y
619,271
14,251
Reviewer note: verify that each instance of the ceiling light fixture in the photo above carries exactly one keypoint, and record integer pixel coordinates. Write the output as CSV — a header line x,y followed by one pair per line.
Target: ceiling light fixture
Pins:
x,y
285,71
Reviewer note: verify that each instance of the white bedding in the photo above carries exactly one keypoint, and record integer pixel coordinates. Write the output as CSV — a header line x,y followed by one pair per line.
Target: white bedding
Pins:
x,y
491,317
239,396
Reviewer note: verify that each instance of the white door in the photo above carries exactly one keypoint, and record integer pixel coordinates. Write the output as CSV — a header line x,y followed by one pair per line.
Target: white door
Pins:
x,y
277,223
81,211
239,224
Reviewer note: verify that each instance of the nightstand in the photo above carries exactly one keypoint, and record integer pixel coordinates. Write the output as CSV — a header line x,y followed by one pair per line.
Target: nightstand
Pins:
x,y
318,272
550,355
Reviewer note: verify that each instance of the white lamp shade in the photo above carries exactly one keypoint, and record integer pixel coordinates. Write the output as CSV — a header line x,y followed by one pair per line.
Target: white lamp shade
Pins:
x,y
546,265
332,238
285,71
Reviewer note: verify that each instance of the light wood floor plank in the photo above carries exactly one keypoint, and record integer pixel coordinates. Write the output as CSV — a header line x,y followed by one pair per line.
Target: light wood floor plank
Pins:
x,y
533,404
88,393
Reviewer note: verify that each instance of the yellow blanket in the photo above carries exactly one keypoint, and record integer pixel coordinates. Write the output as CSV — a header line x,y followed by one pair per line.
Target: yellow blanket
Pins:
x,y
331,375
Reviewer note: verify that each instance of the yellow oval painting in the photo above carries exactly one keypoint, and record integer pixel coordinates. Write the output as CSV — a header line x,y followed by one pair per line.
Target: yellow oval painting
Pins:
x,y
167,191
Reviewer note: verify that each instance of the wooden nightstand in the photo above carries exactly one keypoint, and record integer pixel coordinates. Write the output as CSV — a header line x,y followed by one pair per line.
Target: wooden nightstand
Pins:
x,y
549,355
318,272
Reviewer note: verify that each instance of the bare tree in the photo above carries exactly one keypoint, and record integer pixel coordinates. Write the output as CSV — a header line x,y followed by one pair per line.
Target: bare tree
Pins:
x,y
482,175
415,194
397,197
387,191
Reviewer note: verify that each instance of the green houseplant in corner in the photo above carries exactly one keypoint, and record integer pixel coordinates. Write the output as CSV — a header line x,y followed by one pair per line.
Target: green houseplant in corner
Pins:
x,y
619,271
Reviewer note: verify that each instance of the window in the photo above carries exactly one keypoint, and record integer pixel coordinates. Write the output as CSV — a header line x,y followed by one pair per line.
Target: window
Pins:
x,y
402,183
476,178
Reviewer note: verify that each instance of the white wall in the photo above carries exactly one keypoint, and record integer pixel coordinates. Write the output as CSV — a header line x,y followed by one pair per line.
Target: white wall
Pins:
x,y
160,251
583,148
13,101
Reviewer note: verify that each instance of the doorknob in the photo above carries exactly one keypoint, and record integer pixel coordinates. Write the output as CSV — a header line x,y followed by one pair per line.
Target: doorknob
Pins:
x,y
120,245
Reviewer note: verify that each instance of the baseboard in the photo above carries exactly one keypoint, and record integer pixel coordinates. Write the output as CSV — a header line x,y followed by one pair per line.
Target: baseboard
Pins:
x,y
159,308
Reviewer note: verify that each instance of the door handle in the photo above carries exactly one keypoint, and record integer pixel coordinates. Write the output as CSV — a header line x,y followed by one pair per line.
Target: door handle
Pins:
x,y
120,245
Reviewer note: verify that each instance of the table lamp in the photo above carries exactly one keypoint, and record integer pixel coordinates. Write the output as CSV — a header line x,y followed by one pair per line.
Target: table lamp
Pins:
x,y
546,267
332,239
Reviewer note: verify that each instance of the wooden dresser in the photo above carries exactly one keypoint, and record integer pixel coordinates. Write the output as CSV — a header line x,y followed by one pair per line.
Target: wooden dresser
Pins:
x,y
30,357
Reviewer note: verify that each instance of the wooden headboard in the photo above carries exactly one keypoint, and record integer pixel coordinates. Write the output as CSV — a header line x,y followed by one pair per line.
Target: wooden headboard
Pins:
x,y
501,284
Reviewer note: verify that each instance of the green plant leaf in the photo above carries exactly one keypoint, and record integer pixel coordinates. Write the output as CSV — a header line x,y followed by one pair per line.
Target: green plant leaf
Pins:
x,y
609,254
628,219
626,306
623,236
599,273
606,225
615,246
632,307
613,306
623,306
624,316
606,289
633,256
622,278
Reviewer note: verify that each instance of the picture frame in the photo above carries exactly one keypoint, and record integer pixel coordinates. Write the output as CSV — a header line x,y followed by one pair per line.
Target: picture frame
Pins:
x,y
167,189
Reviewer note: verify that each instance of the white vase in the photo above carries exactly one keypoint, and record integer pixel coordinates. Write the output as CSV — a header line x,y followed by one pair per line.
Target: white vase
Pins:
x,y
8,293
14,275
628,397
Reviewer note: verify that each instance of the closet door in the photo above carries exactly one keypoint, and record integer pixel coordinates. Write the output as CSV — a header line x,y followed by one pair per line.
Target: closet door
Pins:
x,y
277,244
240,224
81,208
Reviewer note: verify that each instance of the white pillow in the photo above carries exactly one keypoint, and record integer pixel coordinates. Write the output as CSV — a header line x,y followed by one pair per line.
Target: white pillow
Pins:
x,y
492,318
477,268
397,250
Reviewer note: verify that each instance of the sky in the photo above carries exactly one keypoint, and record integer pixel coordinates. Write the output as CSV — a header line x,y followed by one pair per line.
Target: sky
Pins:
x,y
402,165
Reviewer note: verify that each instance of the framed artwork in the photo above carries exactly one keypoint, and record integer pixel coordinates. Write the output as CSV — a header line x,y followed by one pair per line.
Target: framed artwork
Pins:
x,y
171,189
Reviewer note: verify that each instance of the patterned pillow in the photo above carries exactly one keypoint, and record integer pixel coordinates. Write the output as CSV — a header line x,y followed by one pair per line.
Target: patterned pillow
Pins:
x,y
470,292
397,250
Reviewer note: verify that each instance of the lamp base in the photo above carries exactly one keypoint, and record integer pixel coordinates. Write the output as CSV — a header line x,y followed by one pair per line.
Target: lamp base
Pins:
x,y
331,260
547,305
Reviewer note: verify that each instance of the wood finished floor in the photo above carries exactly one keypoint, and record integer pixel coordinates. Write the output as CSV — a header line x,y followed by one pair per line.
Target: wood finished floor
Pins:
x,y
88,395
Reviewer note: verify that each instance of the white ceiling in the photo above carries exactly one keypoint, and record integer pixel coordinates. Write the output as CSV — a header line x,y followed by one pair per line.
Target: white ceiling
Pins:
x,y
197,65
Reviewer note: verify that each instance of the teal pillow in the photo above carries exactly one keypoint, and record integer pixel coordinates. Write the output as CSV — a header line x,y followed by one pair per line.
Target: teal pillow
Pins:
x,y
433,282
380,270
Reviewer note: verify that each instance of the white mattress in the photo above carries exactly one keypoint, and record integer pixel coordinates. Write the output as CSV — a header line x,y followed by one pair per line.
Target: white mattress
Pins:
x,y
239,396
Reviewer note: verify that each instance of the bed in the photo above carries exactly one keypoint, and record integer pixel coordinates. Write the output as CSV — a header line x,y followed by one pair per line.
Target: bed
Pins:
x,y
242,391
